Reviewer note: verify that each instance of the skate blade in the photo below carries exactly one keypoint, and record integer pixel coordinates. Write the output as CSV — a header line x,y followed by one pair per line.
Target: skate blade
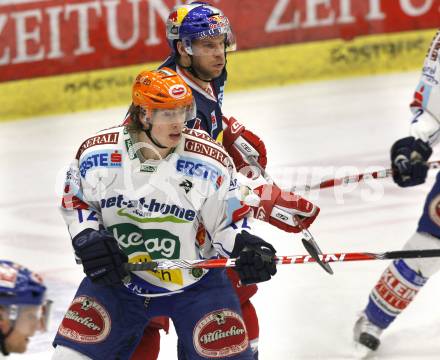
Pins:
x,y
362,352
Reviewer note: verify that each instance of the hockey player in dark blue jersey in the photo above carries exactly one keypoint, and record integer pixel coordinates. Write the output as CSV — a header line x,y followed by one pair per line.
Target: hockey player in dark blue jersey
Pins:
x,y
200,36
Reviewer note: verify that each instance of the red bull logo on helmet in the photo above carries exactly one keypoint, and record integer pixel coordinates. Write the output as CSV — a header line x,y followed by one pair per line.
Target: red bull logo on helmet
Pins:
x,y
218,21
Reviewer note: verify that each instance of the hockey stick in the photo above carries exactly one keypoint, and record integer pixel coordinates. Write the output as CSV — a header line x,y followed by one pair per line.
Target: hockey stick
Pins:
x,y
312,247
380,174
282,260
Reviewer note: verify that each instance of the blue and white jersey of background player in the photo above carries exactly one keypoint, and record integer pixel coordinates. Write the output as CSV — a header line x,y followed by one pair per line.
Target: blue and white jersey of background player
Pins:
x,y
208,101
425,125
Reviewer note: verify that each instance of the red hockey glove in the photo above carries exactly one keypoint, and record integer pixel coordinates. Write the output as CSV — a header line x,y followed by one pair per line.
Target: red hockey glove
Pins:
x,y
278,207
239,141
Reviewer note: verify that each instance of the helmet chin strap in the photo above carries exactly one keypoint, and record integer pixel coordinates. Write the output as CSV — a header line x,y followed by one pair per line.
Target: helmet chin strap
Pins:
x,y
191,70
3,342
155,142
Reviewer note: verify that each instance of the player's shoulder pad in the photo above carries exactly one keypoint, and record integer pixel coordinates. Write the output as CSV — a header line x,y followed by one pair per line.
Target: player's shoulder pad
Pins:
x,y
197,141
101,140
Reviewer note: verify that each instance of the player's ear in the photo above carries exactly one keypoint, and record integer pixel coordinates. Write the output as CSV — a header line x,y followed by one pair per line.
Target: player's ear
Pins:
x,y
184,58
3,319
180,48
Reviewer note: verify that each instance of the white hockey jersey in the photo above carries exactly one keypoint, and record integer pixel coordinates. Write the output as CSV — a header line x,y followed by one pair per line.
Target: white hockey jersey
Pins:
x,y
425,123
155,208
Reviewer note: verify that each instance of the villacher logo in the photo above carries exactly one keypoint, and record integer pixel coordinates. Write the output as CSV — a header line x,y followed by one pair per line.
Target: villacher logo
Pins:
x,y
86,321
220,334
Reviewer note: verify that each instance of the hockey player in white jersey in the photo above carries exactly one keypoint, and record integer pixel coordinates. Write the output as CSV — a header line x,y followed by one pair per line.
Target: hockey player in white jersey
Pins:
x,y
403,279
200,36
139,192
23,308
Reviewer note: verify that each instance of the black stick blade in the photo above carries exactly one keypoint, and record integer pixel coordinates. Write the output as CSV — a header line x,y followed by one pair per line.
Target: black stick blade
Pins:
x,y
313,252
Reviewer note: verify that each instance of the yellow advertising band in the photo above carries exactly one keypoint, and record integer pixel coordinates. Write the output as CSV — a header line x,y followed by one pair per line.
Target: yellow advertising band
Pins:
x,y
274,66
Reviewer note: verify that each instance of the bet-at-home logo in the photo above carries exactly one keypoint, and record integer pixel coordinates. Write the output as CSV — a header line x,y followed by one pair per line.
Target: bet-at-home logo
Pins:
x,y
145,210
157,243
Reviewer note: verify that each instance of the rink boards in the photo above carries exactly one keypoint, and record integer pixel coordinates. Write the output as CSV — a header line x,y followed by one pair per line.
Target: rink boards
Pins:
x,y
273,66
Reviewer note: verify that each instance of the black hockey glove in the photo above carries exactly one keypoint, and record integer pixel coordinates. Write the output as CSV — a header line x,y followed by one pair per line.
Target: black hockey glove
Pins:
x,y
255,261
408,161
101,257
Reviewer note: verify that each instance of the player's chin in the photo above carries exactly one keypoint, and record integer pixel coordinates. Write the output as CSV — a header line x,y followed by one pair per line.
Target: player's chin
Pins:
x,y
216,70
22,347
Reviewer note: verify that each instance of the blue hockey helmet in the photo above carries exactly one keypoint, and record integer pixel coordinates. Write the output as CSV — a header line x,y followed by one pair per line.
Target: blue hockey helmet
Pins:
x,y
19,285
198,20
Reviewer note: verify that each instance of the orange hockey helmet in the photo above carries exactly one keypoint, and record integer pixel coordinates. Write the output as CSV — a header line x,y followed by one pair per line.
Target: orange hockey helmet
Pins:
x,y
161,89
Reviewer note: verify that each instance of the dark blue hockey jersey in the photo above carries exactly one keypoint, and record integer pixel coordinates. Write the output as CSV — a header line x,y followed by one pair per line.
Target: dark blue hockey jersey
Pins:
x,y
209,113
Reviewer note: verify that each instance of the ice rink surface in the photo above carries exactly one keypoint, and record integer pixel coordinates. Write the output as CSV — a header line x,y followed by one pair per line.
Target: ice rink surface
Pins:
x,y
338,127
